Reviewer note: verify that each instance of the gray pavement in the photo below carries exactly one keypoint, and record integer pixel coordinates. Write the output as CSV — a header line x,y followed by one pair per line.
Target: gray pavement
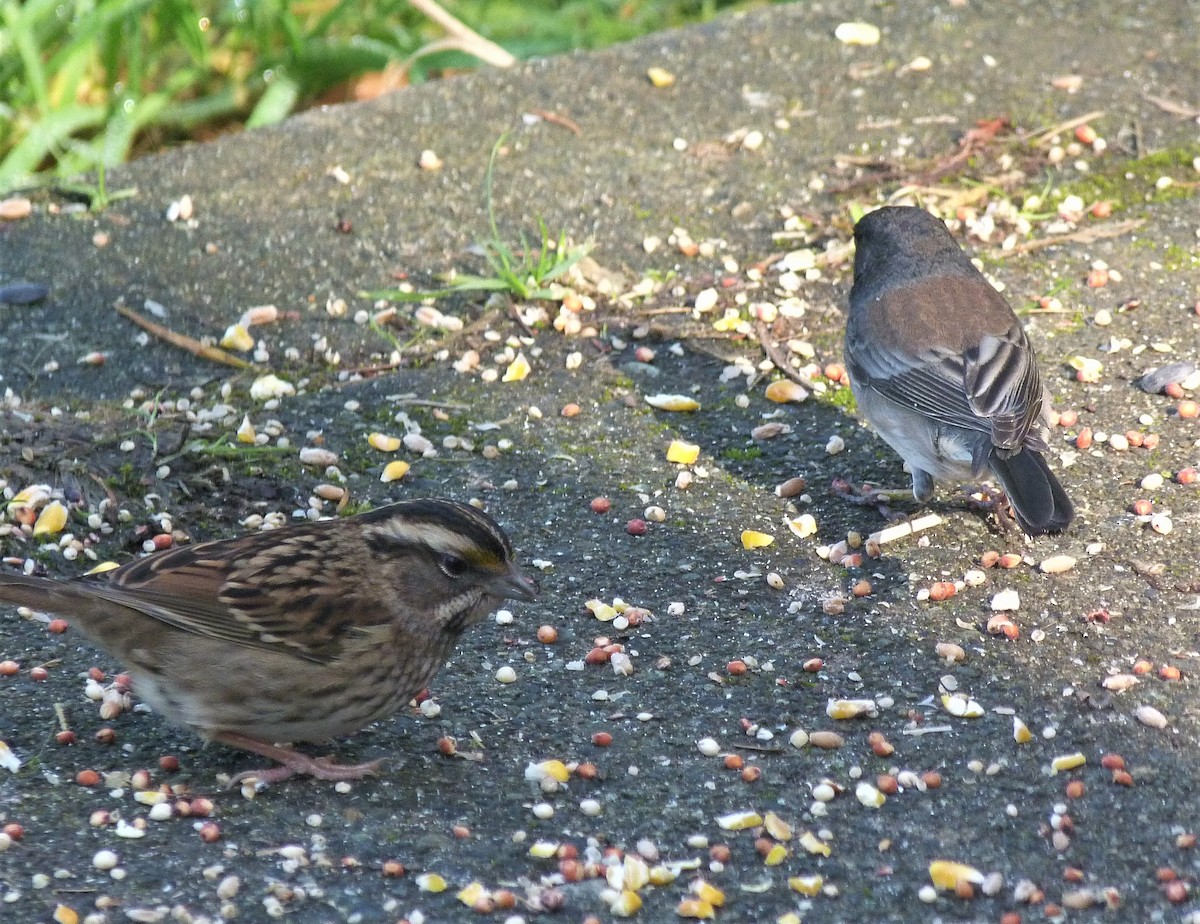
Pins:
x,y
841,127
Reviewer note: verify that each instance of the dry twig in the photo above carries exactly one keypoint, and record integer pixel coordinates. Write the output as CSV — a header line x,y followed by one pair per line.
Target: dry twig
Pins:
x,y
461,37
1083,236
184,342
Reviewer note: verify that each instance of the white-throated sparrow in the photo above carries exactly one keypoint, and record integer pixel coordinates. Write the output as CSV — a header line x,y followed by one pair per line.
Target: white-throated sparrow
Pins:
x,y
303,633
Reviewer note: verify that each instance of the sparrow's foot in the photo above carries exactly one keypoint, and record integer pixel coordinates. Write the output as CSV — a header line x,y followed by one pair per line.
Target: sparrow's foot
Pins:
x,y
293,763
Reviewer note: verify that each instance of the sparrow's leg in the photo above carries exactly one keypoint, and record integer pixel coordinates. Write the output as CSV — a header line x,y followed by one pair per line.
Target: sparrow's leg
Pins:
x,y
292,762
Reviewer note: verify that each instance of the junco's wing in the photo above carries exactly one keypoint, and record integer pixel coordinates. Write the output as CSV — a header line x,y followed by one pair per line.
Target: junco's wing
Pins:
x,y
949,347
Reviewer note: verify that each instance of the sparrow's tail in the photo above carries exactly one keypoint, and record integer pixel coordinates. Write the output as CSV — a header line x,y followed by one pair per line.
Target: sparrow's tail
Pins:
x,y
1038,500
39,594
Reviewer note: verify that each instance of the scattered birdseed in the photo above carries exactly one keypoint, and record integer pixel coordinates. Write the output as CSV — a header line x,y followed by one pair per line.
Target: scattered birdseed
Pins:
x,y
739,821
857,33
660,77
1150,717
15,208
807,885
752,539
506,675
105,860
1067,762
826,740
517,370
51,520
384,442
907,528
319,456
947,875
625,904
1006,601
1161,524
673,403
269,387
803,526
783,391
1057,564
682,453
394,470
841,709
961,706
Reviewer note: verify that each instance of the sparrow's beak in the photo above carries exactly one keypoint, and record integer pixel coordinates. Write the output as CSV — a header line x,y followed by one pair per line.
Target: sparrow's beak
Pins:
x,y
512,585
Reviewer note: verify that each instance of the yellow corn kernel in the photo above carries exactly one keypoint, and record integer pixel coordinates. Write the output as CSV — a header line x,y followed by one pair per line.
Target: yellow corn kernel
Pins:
x,y
850,708
471,893
51,520
627,904
961,706
708,893
695,908
752,539
518,369
237,338
394,470
660,77
1067,762
683,453
739,821
803,526
807,885
384,443
602,610
673,402
777,827
947,874
814,844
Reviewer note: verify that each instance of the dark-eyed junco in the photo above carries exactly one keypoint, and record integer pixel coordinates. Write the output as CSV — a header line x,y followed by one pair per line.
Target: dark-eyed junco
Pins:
x,y
942,369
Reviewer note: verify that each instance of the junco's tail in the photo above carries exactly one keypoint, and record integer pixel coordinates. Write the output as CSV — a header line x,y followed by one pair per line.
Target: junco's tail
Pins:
x,y
1038,500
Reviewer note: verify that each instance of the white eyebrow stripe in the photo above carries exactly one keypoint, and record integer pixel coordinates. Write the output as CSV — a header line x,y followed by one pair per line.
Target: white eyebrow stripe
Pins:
x,y
429,534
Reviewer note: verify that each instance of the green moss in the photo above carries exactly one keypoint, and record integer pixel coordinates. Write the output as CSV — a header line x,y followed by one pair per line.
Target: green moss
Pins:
x,y
1131,183
126,480
741,453
842,398
1177,259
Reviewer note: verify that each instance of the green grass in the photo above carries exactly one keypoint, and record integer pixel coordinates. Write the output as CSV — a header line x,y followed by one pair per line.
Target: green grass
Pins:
x,y
90,83
525,273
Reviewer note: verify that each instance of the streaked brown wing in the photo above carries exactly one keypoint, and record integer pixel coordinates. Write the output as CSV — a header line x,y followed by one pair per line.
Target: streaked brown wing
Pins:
x,y
266,590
